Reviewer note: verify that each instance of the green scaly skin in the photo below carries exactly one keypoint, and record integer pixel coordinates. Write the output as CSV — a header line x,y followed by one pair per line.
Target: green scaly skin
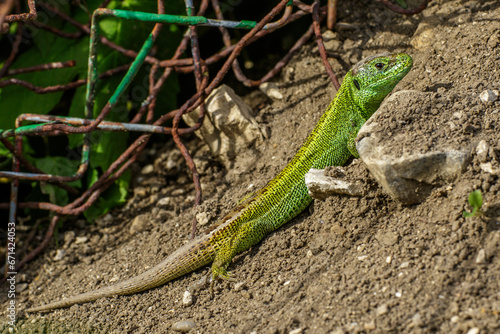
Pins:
x,y
331,143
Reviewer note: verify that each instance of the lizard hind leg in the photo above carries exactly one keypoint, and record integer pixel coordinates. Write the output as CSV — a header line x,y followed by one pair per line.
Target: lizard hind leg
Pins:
x,y
248,234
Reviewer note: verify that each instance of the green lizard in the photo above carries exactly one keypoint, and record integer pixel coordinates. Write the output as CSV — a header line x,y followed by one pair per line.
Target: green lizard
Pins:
x,y
331,143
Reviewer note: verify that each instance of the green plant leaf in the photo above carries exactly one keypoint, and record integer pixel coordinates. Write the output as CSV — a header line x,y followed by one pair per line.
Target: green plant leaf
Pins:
x,y
476,199
57,166
469,214
116,194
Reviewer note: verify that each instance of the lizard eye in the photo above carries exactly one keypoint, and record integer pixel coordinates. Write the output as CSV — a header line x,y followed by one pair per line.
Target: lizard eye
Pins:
x,y
379,66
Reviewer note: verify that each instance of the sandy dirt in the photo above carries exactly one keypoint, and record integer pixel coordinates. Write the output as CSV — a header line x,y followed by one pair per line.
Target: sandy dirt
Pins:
x,y
345,265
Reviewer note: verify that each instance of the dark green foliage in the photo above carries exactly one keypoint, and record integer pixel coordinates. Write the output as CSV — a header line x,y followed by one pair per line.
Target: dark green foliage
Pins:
x,y
45,47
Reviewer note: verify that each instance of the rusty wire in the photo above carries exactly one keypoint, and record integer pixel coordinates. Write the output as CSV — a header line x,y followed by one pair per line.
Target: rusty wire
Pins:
x,y
195,64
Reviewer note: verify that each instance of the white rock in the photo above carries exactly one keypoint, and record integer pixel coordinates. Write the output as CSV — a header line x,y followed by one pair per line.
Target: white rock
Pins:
x,y
187,298
488,168
482,149
473,330
59,255
321,186
81,240
202,218
148,169
489,96
165,201
271,90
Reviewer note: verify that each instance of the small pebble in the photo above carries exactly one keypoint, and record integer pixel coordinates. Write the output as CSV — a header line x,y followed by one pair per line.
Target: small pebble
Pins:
x,y
309,253
239,286
139,224
405,264
198,284
473,330
369,326
202,218
338,330
482,150
68,238
489,96
184,326
20,287
454,319
481,257
296,331
328,35
271,90
387,239
382,309
59,255
245,294
165,201
187,298
417,320
81,240
148,169
338,230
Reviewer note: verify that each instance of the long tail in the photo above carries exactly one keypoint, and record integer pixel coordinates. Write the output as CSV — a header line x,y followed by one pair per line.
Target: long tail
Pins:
x,y
186,259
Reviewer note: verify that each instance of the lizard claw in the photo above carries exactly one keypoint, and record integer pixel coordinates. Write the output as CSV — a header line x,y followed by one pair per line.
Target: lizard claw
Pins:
x,y
228,276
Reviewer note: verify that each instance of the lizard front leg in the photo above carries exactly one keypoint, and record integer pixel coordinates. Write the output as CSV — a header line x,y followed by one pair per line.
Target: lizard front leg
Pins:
x,y
355,124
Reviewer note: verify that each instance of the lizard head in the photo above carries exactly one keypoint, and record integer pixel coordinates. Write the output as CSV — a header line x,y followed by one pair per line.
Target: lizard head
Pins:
x,y
373,78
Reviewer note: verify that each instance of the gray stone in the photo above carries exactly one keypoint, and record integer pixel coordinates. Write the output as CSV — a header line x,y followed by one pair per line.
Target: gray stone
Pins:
x,y
139,224
184,326
321,186
409,178
387,239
